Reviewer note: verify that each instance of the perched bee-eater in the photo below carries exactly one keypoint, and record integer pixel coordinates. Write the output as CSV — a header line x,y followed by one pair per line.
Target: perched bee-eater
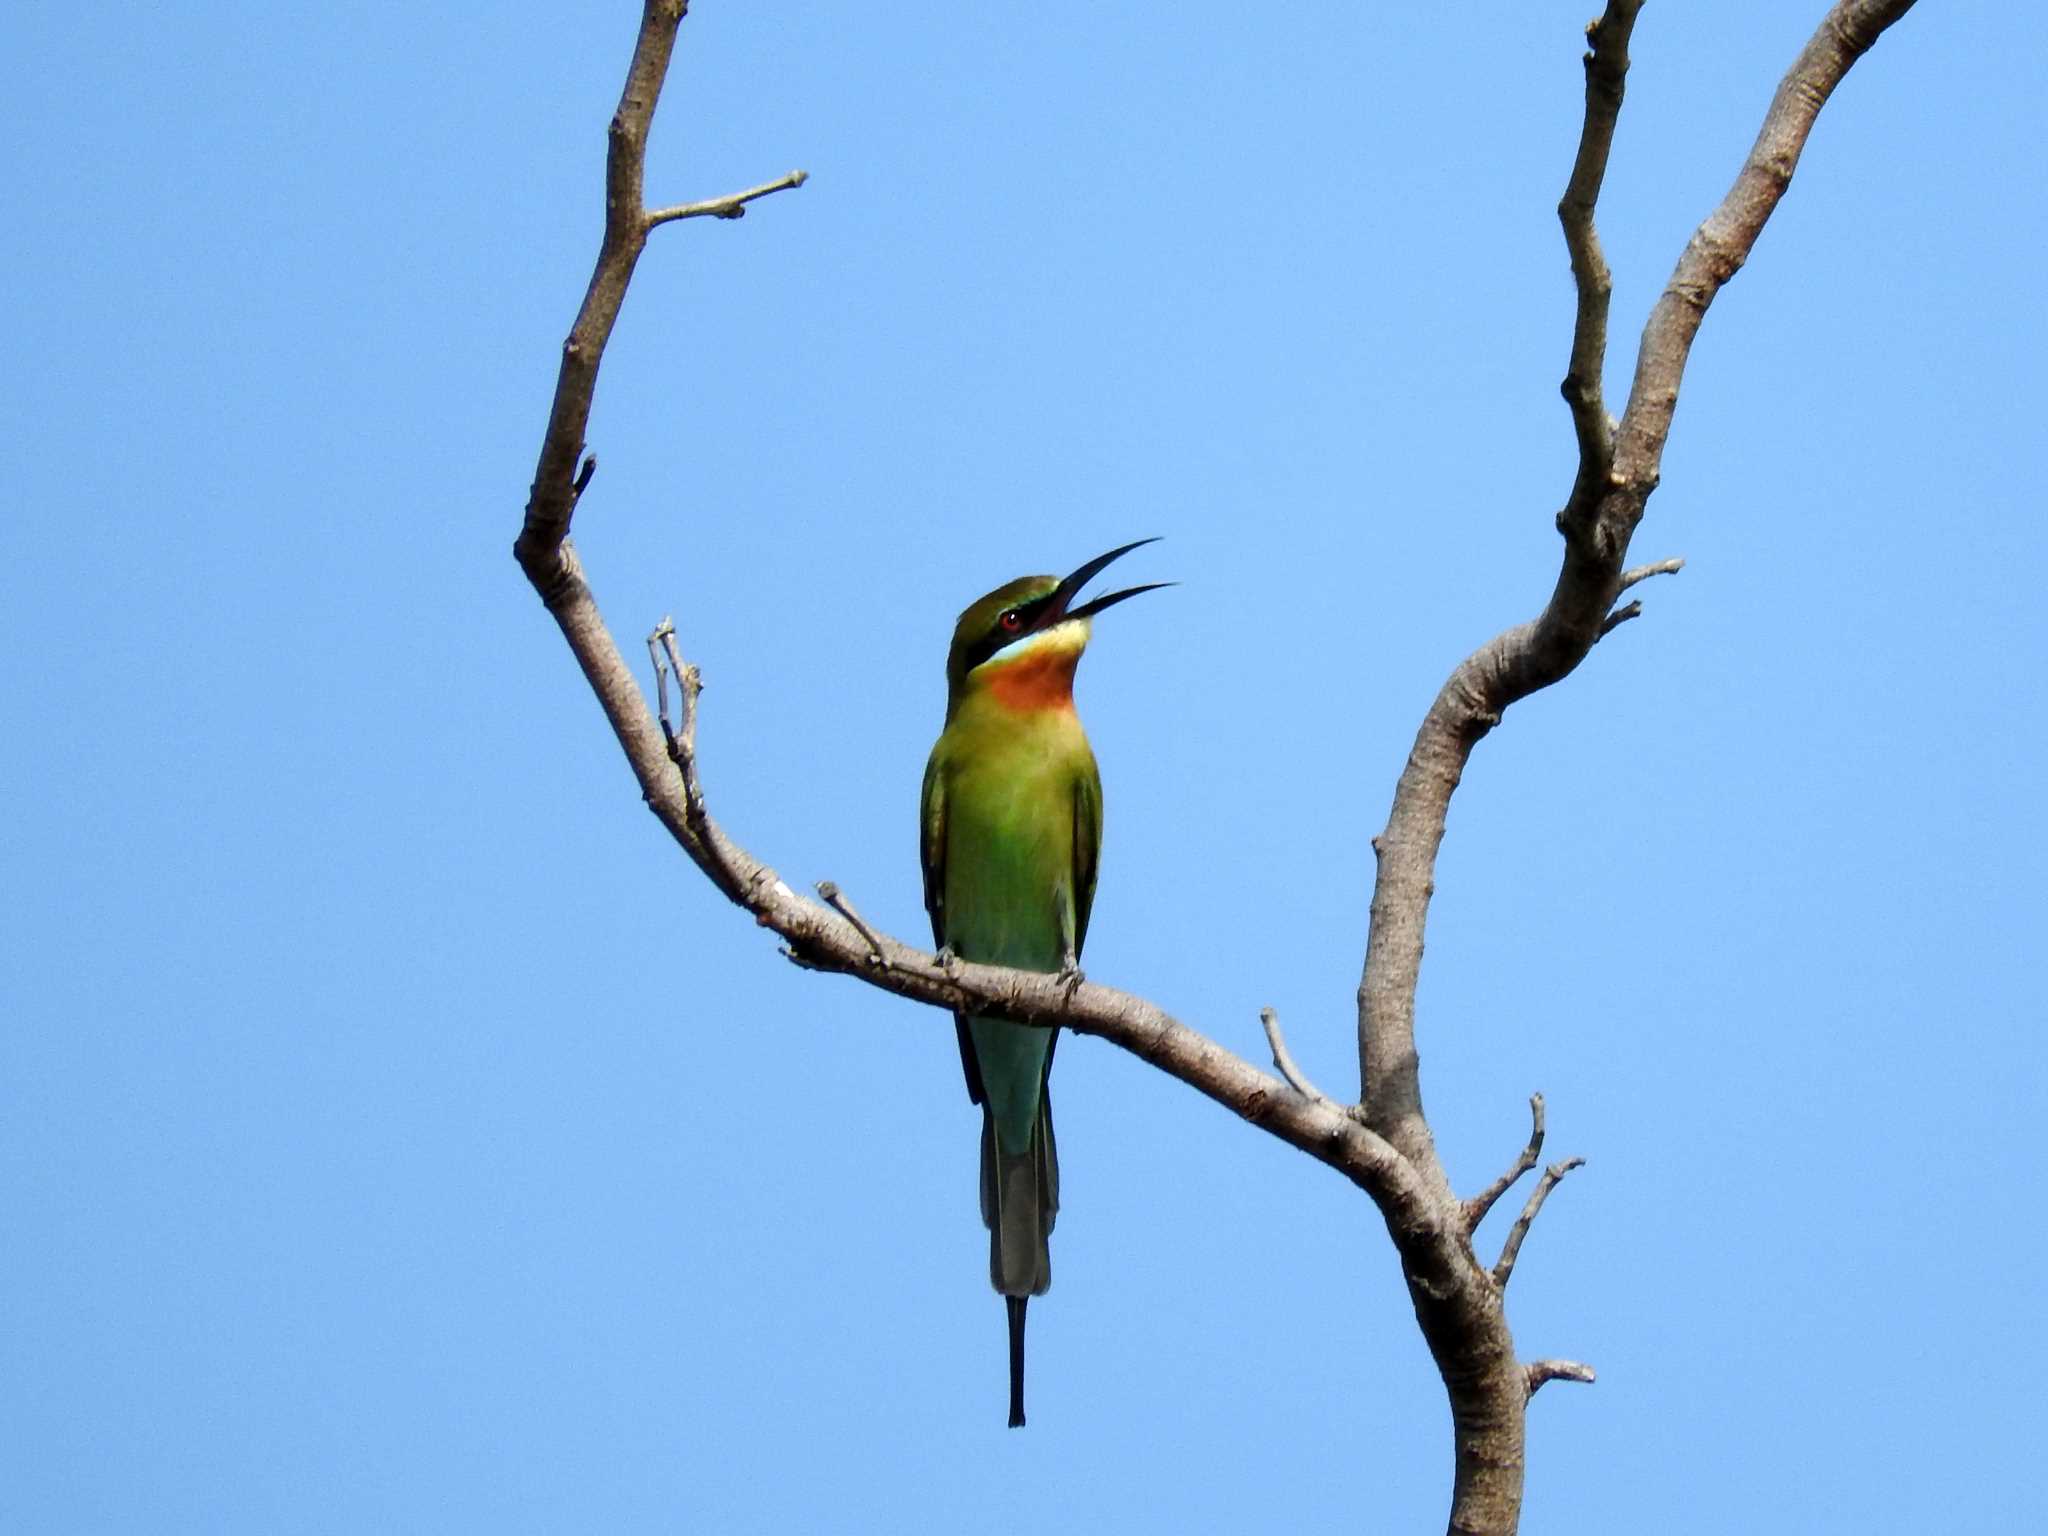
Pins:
x,y
1012,823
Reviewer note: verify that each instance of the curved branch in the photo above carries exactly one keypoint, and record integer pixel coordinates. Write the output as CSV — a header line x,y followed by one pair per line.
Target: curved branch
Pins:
x,y
542,547
1284,1063
1534,655
835,938
552,499
1597,524
1384,1146
1722,243
1606,75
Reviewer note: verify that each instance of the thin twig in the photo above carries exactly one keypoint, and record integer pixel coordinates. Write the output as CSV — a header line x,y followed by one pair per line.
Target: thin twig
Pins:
x,y
1537,1372
1644,572
837,901
681,738
731,207
683,744
662,631
1513,1246
1477,1207
1283,1060
1633,609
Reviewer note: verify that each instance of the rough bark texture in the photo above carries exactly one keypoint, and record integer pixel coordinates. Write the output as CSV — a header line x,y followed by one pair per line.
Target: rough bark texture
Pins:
x,y
1383,1143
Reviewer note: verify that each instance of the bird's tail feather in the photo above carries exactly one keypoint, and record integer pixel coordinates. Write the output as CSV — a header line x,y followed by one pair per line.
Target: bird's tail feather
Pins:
x,y
1020,1200
1016,1305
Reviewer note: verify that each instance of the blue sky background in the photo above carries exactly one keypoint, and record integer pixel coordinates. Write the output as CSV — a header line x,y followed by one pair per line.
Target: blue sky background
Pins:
x,y
397,1134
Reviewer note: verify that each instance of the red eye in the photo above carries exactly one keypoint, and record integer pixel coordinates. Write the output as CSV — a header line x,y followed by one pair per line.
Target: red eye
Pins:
x,y
1011,622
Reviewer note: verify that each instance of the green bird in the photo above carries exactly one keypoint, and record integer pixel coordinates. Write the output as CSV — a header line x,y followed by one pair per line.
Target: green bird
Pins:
x,y
1012,823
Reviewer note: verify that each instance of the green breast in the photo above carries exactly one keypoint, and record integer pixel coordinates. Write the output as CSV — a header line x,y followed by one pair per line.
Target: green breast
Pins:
x,y
1010,883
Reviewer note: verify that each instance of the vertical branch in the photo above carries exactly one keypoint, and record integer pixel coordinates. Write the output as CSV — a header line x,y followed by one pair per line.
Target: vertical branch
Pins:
x,y
1606,76
1618,467
553,497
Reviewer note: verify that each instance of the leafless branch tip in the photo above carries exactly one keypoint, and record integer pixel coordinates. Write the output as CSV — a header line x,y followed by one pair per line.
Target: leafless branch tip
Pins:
x,y
1512,1248
1633,609
680,734
1477,1207
1283,1061
1537,1372
1606,74
836,899
732,206
1644,572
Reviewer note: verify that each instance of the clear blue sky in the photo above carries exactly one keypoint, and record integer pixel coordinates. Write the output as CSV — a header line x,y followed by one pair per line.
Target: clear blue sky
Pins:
x,y
396,1134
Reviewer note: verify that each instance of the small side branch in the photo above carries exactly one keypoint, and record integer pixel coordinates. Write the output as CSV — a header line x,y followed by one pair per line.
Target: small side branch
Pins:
x,y
1629,610
836,900
1283,1061
1537,1372
1633,609
1512,1248
1477,1207
681,739
1644,572
732,207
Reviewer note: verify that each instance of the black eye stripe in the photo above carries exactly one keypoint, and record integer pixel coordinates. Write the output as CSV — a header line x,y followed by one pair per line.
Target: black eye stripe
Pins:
x,y
1000,634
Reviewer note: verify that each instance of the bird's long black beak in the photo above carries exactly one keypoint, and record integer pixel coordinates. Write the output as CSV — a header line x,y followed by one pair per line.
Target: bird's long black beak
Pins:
x,y
1065,593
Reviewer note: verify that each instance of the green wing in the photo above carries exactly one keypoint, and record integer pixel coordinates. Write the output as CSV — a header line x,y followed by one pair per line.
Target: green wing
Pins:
x,y
1087,846
932,855
932,845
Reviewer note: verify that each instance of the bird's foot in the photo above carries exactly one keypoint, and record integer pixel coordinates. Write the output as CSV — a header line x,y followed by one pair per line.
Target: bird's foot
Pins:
x,y
948,961
1070,976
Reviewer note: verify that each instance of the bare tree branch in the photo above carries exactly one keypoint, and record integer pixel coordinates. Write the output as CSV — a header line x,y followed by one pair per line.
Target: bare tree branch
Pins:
x,y
1606,74
1644,572
1283,1059
836,900
541,548
1541,1371
1598,523
1634,608
1534,655
731,207
1384,1145
1723,242
1477,1207
1512,1248
1620,616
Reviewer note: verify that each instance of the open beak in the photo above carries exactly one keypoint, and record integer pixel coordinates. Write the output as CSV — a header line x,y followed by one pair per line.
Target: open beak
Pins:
x,y
1064,594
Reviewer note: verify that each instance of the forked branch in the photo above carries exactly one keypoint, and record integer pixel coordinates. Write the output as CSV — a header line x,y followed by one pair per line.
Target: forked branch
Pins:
x,y
1384,1144
1617,473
